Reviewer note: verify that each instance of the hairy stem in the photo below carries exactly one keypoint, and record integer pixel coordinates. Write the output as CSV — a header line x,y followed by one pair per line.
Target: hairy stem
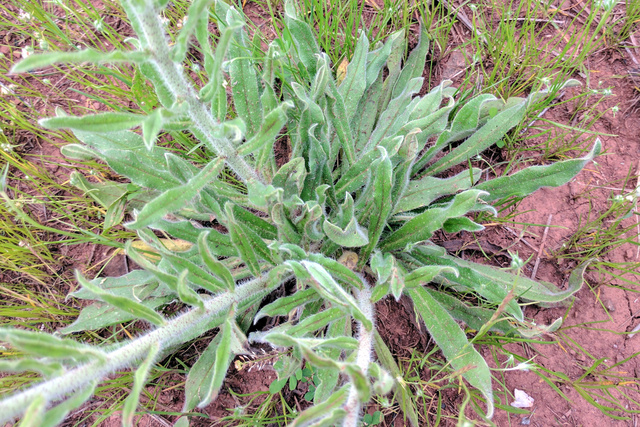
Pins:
x,y
175,332
206,125
363,359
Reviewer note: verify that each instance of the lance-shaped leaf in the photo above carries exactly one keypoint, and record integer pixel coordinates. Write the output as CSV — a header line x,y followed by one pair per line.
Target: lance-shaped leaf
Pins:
x,y
196,10
414,65
241,241
212,263
244,79
138,284
47,369
338,115
290,177
420,193
270,129
424,225
123,303
471,274
337,270
360,381
45,345
327,378
100,315
175,198
139,381
186,294
474,317
315,322
357,175
218,243
214,88
454,344
78,152
465,122
346,232
103,122
285,340
528,180
423,275
207,374
126,154
34,62
329,410
395,116
329,288
353,86
482,139
306,46
285,305
403,394
382,203
56,415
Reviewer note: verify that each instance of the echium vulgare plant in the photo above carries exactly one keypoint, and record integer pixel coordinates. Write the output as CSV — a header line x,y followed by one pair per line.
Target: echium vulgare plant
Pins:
x,y
349,217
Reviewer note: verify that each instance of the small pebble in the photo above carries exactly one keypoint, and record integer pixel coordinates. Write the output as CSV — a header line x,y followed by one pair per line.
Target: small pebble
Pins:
x,y
609,305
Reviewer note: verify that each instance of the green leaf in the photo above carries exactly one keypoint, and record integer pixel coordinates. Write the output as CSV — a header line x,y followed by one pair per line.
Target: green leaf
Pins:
x,y
285,305
42,60
423,275
186,294
139,381
454,344
175,198
353,86
474,317
197,9
100,315
58,413
47,369
482,139
123,303
306,46
78,152
329,288
317,321
242,72
330,409
472,274
270,129
143,93
424,225
212,263
528,180
45,345
422,192
125,153
206,376
151,127
241,241
403,394
382,203
337,270
414,65
103,122
34,414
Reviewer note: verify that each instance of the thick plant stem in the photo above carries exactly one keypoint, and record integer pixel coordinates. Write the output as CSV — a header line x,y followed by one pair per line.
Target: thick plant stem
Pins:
x,y
363,359
175,332
207,127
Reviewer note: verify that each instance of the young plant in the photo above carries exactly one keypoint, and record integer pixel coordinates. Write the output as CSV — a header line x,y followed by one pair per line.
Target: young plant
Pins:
x,y
348,216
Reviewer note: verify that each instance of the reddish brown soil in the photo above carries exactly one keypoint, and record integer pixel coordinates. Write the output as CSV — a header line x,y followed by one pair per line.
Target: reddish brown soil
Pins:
x,y
594,326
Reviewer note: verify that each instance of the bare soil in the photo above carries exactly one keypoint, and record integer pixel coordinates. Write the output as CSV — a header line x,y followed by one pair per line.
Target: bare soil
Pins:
x,y
594,326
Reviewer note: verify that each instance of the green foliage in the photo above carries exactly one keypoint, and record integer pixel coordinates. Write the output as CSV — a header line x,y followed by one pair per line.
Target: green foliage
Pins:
x,y
374,168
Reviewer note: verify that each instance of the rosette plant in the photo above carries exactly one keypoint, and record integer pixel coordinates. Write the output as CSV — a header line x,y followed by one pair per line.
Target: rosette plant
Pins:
x,y
347,216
